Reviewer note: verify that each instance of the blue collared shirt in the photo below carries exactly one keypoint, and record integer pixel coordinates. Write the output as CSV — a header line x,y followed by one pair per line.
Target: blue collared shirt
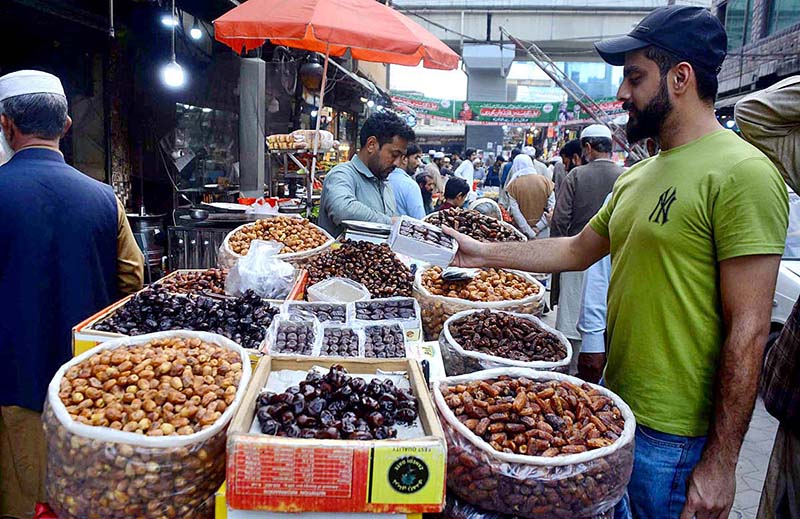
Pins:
x,y
407,194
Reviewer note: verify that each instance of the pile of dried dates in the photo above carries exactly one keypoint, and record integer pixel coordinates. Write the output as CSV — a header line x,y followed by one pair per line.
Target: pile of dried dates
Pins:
x,y
426,234
296,235
244,320
336,406
489,285
508,336
325,312
384,342
339,342
210,281
536,418
377,310
297,338
472,223
375,266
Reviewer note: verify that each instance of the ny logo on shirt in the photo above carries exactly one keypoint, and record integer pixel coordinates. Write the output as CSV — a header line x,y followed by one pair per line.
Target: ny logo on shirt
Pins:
x,y
660,213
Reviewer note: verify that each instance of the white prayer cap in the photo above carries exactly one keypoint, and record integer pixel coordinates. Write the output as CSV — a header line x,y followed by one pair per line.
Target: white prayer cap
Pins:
x,y
596,130
25,82
431,152
438,155
529,151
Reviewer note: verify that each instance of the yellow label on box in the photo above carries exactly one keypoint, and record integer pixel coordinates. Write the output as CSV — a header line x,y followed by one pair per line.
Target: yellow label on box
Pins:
x,y
406,475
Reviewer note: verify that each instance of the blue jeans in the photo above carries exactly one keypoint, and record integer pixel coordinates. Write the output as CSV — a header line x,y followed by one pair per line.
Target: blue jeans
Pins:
x,y
661,467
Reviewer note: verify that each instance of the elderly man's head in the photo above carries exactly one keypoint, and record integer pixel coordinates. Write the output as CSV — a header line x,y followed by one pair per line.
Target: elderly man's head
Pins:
x,y
33,110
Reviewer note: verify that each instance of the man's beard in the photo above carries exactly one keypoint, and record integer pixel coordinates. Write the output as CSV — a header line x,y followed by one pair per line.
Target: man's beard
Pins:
x,y
647,123
6,151
427,196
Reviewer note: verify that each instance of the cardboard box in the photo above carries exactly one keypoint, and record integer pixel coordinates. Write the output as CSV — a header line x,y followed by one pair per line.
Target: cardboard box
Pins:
x,y
223,511
298,475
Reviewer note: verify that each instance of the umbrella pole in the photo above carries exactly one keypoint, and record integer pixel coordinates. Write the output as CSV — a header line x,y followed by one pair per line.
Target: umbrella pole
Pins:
x,y
316,133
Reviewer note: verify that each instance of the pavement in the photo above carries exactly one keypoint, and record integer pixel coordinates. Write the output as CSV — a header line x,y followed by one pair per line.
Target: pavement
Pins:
x,y
753,460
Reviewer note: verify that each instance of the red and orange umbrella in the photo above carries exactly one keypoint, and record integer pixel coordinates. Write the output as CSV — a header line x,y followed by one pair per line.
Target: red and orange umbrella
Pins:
x,y
371,31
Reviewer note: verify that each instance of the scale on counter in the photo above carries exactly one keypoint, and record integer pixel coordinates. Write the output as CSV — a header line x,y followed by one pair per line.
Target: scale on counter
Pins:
x,y
366,231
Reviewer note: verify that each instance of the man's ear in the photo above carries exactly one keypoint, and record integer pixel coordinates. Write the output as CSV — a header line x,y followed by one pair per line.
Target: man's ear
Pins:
x,y
67,126
5,124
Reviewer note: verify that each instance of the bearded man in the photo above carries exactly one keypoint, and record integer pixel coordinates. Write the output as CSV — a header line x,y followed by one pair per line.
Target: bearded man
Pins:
x,y
695,236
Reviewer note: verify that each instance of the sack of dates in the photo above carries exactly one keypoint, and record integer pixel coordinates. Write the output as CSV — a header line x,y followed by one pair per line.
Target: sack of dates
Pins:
x,y
496,289
474,340
535,444
301,239
136,427
457,509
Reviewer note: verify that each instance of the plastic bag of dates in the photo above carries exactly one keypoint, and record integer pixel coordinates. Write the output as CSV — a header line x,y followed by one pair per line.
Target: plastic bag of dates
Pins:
x,y
535,444
457,509
301,239
136,427
294,335
496,289
474,340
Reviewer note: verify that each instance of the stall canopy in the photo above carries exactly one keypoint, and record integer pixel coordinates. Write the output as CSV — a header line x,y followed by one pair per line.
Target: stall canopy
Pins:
x,y
369,30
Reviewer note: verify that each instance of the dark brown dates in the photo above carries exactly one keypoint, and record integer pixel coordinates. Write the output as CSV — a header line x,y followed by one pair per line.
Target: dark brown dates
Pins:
x,y
384,342
243,320
379,310
375,266
210,281
339,342
472,223
508,336
343,407
426,234
296,338
325,312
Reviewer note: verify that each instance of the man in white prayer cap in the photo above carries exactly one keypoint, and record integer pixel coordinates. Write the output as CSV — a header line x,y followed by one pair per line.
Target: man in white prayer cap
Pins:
x,y
67,252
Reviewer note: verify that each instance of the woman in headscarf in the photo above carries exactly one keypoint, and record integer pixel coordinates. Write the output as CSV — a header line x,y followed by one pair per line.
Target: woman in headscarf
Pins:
x,y
531,198
519,163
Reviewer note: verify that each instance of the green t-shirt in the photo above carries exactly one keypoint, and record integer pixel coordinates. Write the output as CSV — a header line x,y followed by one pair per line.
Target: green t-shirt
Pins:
x,y
671,219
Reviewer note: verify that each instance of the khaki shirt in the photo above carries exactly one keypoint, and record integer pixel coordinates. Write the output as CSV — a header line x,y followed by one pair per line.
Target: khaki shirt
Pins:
x,y
130,260
770,121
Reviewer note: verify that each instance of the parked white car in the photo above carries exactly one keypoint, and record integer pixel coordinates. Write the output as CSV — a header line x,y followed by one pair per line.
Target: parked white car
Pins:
x,y
787,292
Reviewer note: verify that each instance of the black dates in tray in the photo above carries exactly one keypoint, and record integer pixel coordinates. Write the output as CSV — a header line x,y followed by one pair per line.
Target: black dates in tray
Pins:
x,y
296,338
339,342
380,310
336,406
425,234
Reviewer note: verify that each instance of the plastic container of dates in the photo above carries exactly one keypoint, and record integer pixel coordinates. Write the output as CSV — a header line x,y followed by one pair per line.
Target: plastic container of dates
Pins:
x,y
328,314
436,309
154,467
338,290
342,341
227,256
423,241
404,311
293,335
494,419
478,339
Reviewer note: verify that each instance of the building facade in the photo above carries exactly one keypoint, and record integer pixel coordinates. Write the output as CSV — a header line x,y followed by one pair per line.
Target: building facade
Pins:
x,y
763,45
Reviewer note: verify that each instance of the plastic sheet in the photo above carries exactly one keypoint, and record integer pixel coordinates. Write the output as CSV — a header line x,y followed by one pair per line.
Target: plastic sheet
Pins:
x,y
226,258
534,487
458,361
262,271
312,344
101,473
435,310
421,250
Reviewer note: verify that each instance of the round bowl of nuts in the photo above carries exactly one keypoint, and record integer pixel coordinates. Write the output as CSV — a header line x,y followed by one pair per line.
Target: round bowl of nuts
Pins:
x,y
301,239
535,444
479,339
136,427
495,289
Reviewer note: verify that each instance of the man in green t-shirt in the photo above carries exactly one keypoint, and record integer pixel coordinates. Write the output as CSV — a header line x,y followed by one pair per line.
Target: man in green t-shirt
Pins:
x,y
695,236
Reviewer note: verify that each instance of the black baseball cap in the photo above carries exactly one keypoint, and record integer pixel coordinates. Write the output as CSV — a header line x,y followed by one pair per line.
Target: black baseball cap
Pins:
x,y
691,33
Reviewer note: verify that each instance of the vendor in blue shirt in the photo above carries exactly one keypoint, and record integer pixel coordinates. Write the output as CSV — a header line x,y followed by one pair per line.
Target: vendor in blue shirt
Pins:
x,y
407,194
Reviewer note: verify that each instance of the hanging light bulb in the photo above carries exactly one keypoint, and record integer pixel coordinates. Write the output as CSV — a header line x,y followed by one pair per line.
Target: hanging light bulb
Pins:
x,y
172,74
370,103
169,20
195,31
